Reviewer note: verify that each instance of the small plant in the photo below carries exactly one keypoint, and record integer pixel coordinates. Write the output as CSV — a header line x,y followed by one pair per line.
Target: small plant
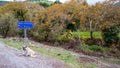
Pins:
x,y
95,48
66,37
110,35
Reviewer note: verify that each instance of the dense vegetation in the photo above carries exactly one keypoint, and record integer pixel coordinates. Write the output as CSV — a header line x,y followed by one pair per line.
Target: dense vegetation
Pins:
x,y
60,24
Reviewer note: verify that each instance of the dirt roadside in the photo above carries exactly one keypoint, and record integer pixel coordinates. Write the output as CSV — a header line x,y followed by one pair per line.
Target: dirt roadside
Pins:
x,y
11,58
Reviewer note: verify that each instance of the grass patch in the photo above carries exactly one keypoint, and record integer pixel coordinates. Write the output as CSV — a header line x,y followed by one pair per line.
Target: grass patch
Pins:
x,y
62,55
14,44
94,48
66,56
87,34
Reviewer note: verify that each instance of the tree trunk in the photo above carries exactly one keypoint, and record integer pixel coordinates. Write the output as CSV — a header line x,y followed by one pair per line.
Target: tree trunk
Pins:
x,y
79,37
6,33
46,37
91,30
91,34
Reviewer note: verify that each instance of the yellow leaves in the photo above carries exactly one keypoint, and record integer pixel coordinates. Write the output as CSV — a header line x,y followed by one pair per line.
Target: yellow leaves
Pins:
x,y
1,10
9,7
73,23
47,24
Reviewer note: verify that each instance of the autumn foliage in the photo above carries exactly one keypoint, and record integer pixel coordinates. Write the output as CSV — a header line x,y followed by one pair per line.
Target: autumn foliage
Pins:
x,y
55,23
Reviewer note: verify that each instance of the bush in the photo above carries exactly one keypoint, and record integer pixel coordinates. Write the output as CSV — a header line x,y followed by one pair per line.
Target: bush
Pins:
x,y
45,4
66,37
110,35
56,33
94,41
94,48
8,25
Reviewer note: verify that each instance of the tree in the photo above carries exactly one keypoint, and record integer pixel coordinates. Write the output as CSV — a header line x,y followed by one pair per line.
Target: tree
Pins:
x,y
98,13
22,11
8,25
16,8
76,12
93,15
57,2
52,24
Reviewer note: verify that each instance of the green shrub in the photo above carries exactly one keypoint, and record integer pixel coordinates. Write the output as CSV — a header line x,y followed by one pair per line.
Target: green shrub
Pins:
x,y
8,25
110,35
45,4
66,37
95,48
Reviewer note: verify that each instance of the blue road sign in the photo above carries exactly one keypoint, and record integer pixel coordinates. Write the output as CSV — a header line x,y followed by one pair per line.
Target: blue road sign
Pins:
x,y
25,24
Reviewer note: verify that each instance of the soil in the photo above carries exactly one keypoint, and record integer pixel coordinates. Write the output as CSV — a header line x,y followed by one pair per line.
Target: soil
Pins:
x,y
95,61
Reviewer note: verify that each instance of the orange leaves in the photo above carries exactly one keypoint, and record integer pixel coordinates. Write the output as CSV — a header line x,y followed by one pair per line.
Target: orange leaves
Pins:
x,y
11,7
55,14
65,13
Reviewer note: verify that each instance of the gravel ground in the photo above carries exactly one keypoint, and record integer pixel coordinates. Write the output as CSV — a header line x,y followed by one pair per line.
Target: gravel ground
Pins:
x,y
12,58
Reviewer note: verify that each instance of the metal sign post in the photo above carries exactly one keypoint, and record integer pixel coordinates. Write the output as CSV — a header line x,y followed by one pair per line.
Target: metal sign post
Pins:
x,y
25,37
25,25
